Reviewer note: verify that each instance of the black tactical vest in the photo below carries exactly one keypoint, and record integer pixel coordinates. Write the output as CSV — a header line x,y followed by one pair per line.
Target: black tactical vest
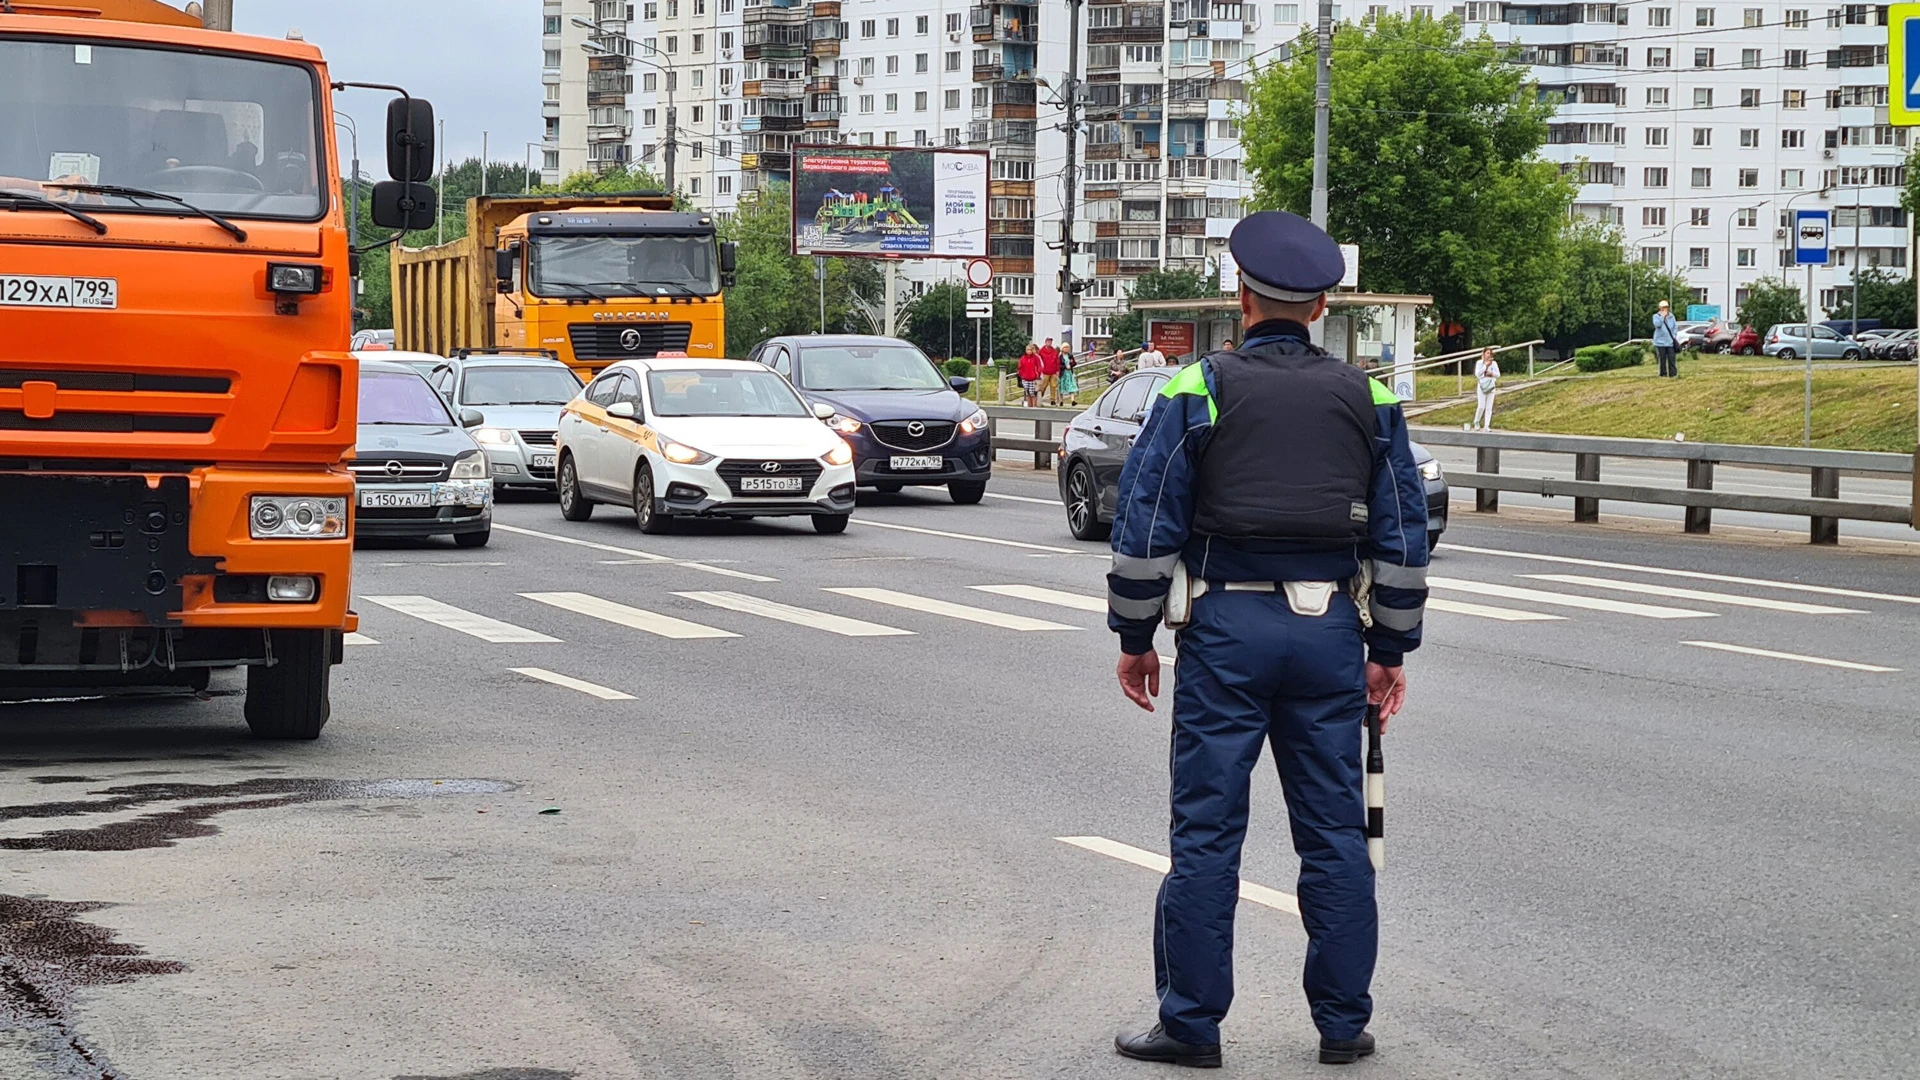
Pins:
x,y
1292,451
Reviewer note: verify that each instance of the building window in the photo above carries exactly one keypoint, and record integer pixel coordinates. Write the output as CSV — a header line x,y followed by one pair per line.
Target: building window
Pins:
x,y
953,60
1749,58
921,63
1793,99
866,103
1754,16
1653,256
723,149
1703,97
919,101
552,60
1703,16
1699,216
1656,97
1703,136
693,186
891,138
869,28
952,99
726,113
1659,58
723,185
699,44
1796,19
1792,179
1743,257
1659,16
951,137
1749,178
1794,58
1286,14
1653,215
893,27
551,25
1655,177
1792,139
953,22
646,118
1697,258
866,65
893,65
1703,178
1656,136
699,77
1703,58
893,103
1749,137
649,82
920,24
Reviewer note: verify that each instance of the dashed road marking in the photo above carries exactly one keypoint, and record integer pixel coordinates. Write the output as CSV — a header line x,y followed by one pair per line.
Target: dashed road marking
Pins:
x,y
634,553
359,639
1553,599
453,618
1747,650
651,622
951,610
1160,864
1792,586
1461,607
965,536
799,616
1023,498
725,572
1039,595
604,693
1675,593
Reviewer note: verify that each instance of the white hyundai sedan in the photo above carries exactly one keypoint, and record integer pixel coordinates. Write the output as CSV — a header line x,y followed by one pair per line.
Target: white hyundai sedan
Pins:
x,y
673,438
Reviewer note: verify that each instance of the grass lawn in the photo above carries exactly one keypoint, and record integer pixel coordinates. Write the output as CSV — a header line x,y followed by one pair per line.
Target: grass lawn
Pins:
x,y
1754,400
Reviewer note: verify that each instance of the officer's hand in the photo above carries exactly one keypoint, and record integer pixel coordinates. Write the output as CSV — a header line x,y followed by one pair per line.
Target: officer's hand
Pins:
x,y
1387,688
1140,678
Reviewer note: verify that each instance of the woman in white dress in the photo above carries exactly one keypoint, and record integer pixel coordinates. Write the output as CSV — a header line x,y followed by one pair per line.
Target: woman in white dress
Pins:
x,y
1486,378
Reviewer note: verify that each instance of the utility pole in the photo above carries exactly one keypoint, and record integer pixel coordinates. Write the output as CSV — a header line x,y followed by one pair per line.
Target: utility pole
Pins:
x,y
673,117
440,217
483,163
1070,93
1322,106
217,14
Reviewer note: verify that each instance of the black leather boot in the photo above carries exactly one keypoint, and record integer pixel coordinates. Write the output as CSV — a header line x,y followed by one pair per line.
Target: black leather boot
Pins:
x,y
1345,1051
1154,1044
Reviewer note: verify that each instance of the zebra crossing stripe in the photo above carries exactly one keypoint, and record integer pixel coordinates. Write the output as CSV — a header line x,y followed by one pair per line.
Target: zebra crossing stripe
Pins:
x,y
651,622
1676,593
952,610
1040,595
798,616
466,622
1556,599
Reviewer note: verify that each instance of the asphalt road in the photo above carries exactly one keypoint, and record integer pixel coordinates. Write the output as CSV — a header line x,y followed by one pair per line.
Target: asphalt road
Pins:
x,y
823,839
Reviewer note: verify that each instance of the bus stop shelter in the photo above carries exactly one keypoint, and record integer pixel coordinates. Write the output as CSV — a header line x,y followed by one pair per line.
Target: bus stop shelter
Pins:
x,y
1367,329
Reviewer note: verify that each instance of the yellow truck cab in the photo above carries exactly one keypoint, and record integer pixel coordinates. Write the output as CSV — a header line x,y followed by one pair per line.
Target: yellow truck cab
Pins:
x,y
593,278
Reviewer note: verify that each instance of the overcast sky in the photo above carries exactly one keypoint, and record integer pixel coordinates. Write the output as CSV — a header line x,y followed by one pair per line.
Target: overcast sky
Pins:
x,y
478,61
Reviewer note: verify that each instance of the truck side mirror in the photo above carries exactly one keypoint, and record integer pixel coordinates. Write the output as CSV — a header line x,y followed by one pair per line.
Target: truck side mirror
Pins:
x,y
729,260
503,262
409,139
398,205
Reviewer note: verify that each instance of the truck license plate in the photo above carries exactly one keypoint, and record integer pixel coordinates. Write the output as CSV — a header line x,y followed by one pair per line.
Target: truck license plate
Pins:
x,y
61,292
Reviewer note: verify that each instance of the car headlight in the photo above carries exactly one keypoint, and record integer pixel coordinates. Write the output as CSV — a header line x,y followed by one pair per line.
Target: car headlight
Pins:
x,y
976,422
471,466
682,454
493,436
840,455
296,517
1430,469
845,425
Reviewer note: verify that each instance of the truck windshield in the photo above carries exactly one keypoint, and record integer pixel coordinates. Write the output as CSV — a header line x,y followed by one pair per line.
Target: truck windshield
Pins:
x,y
229,134
867,367
519,386
607,266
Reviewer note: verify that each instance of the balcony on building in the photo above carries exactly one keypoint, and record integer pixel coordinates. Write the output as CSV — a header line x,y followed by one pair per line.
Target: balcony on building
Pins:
x,y
823,84
783,114
823,110
826,9
1013,101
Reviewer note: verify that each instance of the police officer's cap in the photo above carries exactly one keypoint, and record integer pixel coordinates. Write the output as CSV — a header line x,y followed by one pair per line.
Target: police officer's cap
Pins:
x,y
1285,257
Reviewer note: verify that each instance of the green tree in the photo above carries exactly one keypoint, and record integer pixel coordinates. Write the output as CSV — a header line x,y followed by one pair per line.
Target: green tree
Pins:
x,y
1128,329
1771,300
1433,165
1599,295
939,316
1882,296
776,292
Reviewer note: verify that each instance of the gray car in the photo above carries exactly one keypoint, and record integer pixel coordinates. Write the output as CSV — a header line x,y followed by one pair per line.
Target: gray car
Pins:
x,y
519,398
1788,341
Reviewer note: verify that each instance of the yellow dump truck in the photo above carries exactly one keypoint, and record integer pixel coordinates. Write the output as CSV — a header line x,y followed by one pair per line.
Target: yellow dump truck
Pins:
x,y
594,278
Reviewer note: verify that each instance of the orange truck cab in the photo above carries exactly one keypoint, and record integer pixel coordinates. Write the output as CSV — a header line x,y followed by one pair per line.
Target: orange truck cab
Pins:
x,y
177,402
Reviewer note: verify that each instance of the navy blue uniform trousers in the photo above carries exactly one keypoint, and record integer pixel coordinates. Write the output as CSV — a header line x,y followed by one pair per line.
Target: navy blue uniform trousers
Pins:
x,y
1250,671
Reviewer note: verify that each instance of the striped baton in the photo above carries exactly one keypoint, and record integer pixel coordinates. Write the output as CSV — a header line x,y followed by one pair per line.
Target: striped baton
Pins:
x,y
1376,793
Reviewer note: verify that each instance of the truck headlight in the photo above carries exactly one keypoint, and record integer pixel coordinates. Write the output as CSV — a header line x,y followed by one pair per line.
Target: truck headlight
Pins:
x,y
493,436
682,454
840,455
471,466
976,422
297,517
1430,469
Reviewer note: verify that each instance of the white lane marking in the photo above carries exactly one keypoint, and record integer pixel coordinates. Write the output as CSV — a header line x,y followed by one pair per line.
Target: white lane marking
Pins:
x,y
1461,607
964,536
1791,586
1023,498
1772,655
1057,597
359,639
724,572
799,616
1160,864
635,554
1676,593
453,618
636,618
951,610
1555,599
595,689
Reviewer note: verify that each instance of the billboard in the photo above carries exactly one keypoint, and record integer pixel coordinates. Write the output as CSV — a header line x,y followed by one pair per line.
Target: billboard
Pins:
x,y
894,201
1173,337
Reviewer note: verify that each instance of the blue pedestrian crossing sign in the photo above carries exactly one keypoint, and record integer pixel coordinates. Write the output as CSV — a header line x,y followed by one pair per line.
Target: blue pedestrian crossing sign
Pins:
x,y
1810,229
1903,64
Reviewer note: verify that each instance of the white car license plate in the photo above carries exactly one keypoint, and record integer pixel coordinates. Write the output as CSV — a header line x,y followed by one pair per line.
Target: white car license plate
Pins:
x,y
919,461
543,461
389,500
769,483
68,292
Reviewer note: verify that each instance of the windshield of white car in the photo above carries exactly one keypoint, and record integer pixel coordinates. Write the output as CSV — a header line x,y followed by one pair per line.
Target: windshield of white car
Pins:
x,y
624,266
867,367
229,135
389,397
519,386
712,392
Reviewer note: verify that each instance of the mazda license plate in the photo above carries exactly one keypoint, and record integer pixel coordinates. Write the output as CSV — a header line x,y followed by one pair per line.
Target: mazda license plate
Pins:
x,y
769,483
918,461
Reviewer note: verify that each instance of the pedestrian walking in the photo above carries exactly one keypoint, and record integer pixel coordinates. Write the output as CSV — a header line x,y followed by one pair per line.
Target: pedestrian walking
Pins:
x,y
1050,372
1151,356
1666,339
1271,511
1030,373
1069,382
1486,376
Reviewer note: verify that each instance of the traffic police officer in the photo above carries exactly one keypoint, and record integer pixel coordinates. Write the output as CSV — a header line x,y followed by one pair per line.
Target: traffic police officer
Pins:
x,y
1277,485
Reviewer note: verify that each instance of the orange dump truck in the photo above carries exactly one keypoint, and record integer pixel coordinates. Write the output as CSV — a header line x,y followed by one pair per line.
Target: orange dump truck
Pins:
x,y
177,403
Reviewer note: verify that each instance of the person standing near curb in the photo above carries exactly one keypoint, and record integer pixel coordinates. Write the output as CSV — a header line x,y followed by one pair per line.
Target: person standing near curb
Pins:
x,y
1666,338
1486,376
1030,373
1151,357
1050,373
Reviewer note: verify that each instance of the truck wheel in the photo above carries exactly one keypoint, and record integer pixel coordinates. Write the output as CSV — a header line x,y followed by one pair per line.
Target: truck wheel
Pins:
x,y
289,700
573,505
473,539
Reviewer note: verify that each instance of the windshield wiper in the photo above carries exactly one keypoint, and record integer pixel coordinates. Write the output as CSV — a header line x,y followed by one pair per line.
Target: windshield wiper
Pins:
x,y
29,198
542,401
239,233
684,290
575,285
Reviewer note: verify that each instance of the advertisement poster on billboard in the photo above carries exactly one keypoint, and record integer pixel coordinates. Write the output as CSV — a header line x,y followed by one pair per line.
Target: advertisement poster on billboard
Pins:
x,y
902,202
1174,337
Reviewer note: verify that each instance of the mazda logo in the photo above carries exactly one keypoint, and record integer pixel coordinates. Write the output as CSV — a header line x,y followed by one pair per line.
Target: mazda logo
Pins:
x,y
769,466
916,429
394,468
630,340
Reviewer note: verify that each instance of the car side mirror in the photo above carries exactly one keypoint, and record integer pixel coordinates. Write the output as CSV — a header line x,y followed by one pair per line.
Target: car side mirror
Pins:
x,y
823,410
729,262
960,383
409,139
471,418
400,205
621,409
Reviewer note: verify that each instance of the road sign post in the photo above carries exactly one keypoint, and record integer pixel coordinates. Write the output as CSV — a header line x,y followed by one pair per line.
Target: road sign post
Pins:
x,y
1810,245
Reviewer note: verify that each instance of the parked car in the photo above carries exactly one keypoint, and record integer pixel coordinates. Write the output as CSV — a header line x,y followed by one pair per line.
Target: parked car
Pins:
x,y
672,437
519,398
906,421
1095,446
1690,335
1745,343
1788,341
372,340
415,471
1892,345
1717,338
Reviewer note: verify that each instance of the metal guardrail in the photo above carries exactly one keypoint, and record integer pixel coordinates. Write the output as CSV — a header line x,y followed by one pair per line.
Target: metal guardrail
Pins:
x,y
1043,444
1822,506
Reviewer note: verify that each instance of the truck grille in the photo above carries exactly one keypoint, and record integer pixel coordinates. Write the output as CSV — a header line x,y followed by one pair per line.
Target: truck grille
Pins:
x,y
390,470
617,341
900,434
807,470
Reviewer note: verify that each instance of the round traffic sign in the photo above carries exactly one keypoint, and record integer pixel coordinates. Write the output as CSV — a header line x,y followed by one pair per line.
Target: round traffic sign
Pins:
x,y
979,273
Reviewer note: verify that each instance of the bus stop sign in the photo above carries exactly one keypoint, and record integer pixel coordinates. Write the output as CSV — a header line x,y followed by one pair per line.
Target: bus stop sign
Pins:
x,y
1903,64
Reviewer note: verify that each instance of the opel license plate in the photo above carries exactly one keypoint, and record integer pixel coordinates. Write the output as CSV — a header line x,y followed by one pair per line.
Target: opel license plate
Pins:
x,y
919,461
769,483
64,292
393,500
